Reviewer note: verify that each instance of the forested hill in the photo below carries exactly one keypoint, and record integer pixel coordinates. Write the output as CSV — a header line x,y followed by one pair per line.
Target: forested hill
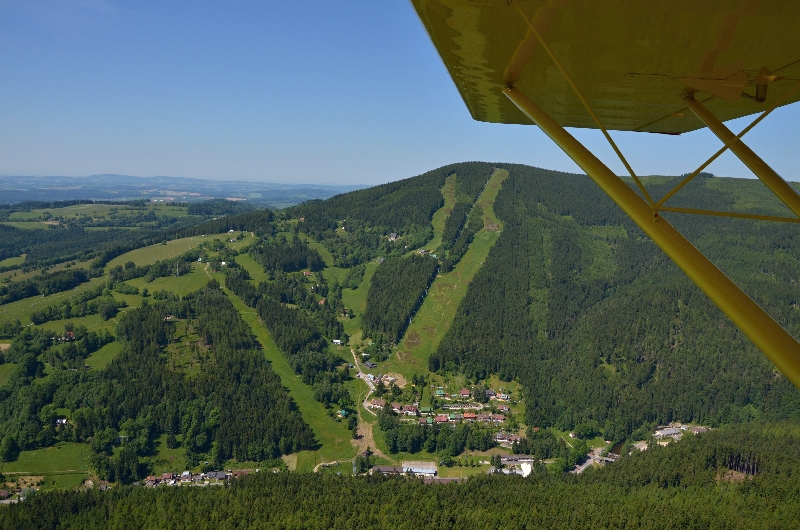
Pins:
x,y
365,218
578,305
602,329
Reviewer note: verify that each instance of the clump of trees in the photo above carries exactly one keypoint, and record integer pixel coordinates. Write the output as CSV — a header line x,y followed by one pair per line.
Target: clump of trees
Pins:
x,y
90,302
42,284
286,254
398,288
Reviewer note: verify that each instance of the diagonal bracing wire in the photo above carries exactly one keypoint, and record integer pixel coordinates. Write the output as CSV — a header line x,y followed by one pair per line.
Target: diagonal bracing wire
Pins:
x,y
729,143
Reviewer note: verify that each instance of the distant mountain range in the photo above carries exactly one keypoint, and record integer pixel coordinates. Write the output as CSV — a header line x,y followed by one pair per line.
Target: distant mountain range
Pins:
x,y
181,189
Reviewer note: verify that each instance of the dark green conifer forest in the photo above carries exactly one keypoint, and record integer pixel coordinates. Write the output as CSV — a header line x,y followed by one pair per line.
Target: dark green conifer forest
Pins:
x,y
734,478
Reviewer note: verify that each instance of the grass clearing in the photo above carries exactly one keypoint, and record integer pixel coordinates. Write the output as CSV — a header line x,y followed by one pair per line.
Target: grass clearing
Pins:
x,y
153,253
438,310
253,268
168,460
27,225
6,369
356,300
102,357
441,215
68,481
333,437
13,262
180,285
64,456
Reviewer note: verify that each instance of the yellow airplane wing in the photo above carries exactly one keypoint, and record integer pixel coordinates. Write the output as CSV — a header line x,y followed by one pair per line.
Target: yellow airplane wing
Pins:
x,y
663,66
632,59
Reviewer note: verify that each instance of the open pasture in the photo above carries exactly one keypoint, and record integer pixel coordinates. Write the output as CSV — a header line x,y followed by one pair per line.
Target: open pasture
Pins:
x,y
153,253
180,285
74,457
13,262
27,225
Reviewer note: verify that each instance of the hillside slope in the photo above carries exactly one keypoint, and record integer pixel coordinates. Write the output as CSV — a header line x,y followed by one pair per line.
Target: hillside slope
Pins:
x,y
602,328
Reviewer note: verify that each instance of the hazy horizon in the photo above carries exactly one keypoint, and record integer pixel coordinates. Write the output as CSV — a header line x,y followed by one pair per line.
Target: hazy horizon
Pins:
x,y
275,92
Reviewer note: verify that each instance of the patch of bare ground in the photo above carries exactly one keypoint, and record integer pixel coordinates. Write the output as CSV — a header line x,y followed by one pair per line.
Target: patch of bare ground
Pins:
x,y
399,379
732,476
29,481
492,227
290,461
365,440
413,339
4,347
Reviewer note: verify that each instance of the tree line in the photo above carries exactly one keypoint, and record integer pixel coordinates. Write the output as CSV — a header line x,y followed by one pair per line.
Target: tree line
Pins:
x,y
684,485
43,284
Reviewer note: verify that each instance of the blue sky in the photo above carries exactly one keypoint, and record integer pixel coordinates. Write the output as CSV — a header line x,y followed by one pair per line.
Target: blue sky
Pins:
x,y
322,91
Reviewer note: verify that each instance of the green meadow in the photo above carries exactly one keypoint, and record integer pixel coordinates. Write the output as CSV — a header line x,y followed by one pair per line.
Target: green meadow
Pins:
x,y
13,262
102,357
153,253
180,285
253,268
441,215
356,300
6,369
27,225
62,457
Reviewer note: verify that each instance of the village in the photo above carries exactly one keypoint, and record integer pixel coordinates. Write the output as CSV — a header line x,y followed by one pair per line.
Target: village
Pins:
x,y
477,405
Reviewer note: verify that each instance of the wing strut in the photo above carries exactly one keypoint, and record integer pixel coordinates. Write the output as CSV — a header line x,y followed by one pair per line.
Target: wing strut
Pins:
x,y
774,182
776,343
